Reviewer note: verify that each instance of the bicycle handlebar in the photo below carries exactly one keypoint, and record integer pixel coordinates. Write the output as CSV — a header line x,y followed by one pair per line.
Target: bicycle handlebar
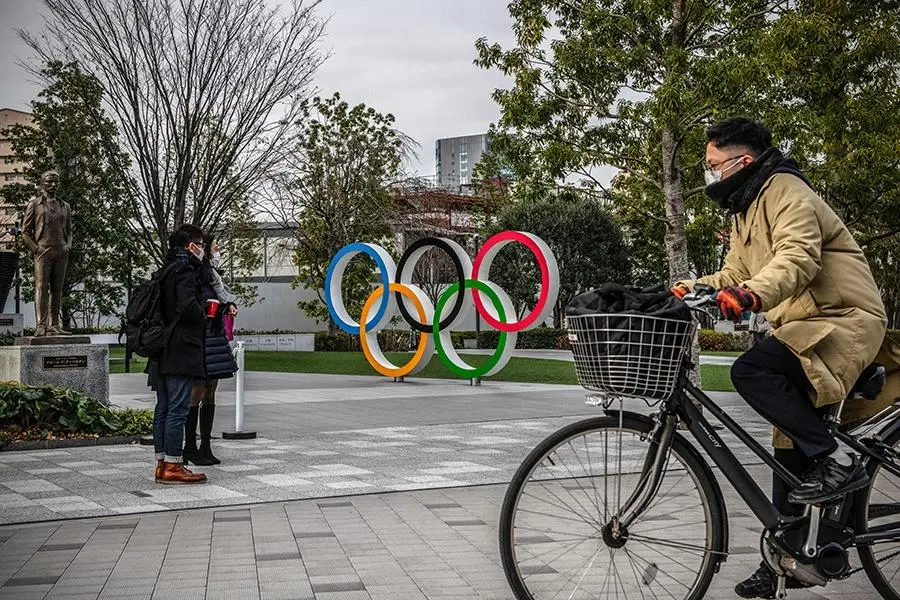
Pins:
x,y
703,295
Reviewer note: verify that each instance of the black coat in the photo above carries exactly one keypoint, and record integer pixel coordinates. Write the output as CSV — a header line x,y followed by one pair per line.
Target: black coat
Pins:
x,y
219,360
183,312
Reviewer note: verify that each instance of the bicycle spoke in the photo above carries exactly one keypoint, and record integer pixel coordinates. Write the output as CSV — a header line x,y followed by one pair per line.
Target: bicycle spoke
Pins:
x,y
587,450
564,507
572,477
637,580
569,493
658,570
679,545
667,557
568,548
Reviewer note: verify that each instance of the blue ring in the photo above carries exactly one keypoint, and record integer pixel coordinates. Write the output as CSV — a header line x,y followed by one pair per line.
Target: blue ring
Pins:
x,y
357,247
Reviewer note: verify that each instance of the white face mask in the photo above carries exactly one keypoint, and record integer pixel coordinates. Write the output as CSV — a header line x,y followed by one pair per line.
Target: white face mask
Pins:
x,y
196,251
712,177
216,260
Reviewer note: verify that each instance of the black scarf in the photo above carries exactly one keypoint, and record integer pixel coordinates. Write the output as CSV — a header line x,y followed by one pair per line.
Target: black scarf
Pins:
x,y
736,193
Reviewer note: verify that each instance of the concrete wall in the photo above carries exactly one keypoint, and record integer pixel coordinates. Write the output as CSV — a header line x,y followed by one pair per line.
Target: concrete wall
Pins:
x,y
276,309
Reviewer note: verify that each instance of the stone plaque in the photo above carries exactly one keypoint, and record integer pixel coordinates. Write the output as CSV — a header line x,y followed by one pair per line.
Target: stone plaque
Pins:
x,y
66,362
82,367
6,322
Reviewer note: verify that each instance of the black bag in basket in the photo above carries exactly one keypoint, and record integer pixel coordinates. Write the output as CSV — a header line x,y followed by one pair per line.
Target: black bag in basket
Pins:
x,y
620,350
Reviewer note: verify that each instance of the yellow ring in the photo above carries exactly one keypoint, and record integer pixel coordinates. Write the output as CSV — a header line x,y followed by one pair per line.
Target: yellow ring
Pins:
x,y
423,337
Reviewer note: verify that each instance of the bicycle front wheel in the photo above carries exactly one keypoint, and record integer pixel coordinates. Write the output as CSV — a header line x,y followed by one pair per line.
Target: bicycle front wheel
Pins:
x,y
558,518
878,509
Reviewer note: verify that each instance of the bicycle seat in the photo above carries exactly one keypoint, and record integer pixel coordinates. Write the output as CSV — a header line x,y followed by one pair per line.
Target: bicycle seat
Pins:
x,y
870,383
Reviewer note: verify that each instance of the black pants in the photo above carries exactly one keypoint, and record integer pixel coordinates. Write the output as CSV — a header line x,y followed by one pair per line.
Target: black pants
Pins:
x,y
795,462
772,381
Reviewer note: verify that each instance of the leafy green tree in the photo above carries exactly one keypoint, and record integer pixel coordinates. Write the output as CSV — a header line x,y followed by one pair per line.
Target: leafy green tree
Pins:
x,y
72,135
587,242
835,65
628,85
632,84
336,189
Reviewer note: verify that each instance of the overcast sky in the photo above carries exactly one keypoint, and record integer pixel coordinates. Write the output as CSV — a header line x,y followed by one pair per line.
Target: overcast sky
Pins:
x,y
412,58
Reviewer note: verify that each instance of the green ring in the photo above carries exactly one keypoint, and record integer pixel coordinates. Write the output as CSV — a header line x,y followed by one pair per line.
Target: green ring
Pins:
x,y
471,372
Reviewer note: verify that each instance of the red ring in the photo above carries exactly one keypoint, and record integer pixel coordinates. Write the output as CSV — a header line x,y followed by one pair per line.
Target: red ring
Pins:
x,y
512,236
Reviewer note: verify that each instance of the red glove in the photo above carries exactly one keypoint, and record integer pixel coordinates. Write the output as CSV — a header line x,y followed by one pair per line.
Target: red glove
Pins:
x,y
733,301
680,291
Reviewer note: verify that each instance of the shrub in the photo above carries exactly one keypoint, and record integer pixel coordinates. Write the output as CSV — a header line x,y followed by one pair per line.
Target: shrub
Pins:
x,y
7,338
395,340
54,409
338,342
542,338
720,341
563,343
135,421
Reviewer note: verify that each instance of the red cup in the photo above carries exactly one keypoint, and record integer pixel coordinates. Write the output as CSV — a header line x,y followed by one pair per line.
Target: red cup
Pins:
x,y
212,307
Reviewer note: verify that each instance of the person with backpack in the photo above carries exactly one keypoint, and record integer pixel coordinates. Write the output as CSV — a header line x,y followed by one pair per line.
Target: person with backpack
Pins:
x,y
219,362
182,313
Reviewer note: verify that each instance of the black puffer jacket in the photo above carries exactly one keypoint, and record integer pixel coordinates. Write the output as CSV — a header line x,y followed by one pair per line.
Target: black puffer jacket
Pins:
x,y
182,308
217,353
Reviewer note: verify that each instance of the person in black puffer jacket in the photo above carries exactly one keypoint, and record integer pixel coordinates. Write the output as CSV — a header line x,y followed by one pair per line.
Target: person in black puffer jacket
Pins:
x,y
219,362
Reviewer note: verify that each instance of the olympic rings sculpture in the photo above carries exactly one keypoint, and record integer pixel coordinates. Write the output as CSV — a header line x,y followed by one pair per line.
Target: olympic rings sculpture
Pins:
x,y
396,291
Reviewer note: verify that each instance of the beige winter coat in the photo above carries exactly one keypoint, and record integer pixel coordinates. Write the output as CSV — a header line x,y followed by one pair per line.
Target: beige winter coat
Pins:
x,y
815,285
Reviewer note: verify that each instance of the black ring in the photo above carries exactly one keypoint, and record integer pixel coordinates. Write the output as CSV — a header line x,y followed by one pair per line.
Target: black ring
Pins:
x,y
460,297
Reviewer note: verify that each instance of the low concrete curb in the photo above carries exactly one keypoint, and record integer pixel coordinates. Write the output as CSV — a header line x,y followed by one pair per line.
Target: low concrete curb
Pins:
x,y
54,444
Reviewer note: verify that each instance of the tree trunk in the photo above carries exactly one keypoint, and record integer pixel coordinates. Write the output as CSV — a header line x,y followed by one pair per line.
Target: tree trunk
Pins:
x,y
676,235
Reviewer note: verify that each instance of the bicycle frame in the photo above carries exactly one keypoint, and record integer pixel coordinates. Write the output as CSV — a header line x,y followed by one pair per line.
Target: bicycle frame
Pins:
x,y
681,405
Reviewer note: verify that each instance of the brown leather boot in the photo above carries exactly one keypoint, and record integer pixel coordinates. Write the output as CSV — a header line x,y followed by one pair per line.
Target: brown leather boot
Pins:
x,y
160,469
176,474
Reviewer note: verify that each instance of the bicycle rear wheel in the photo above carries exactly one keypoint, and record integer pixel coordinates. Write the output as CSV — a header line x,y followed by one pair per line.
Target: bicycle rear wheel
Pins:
x,y
555,535
878,507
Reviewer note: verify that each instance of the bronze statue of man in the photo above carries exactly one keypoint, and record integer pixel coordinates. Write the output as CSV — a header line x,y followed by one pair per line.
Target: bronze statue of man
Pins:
x,y
47,231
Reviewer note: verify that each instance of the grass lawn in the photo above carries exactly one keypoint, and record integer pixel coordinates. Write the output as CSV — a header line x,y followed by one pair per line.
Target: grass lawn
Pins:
x,y
526,370
530,370
716,378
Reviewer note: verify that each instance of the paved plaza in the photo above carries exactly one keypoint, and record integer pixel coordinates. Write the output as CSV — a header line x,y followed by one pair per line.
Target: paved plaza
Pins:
x,y
356,488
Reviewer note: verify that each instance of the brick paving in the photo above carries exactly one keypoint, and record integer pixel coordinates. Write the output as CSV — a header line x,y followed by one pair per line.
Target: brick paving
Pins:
x,y
283,517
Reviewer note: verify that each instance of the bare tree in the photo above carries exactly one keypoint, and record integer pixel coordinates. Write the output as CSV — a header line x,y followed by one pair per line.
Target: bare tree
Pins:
x,y
334,188
204,92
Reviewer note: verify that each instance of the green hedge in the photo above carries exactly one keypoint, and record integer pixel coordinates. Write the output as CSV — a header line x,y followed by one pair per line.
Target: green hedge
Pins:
x,y
542,338
720,341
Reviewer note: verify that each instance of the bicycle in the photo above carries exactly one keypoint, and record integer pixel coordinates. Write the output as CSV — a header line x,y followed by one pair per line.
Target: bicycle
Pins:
x,y
566,533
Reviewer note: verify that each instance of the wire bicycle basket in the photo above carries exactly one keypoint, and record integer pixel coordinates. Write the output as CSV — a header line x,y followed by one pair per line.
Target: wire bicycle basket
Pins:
x,y
634,356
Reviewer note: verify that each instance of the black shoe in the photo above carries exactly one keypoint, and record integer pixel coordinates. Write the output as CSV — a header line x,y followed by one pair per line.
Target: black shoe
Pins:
x,y
828,479
207,415
763,584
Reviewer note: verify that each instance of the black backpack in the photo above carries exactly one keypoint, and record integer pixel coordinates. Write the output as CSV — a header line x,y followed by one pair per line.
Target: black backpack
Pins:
x,y
144,327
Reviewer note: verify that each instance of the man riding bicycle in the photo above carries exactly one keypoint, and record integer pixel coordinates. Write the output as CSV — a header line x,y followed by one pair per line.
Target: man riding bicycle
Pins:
x,y
792,257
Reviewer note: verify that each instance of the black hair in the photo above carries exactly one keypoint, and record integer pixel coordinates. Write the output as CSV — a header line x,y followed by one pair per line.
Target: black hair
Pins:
x,y
208,239
740,131
184,235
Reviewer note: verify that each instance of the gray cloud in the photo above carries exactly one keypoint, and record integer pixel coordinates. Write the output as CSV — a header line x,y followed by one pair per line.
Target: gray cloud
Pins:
x,y
412,58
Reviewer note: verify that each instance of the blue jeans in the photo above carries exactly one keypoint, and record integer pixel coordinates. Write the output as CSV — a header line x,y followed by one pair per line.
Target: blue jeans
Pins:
x,y
173,398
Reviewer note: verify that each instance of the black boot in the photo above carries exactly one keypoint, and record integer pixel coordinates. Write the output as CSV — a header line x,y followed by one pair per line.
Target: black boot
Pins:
x,y
191,453
207,414
763,584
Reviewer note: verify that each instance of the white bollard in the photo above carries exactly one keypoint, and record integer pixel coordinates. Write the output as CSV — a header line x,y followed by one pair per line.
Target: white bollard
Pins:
x,y
239,433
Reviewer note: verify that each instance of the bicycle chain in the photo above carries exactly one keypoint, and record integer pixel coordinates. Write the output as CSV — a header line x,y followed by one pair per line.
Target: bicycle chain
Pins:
x,y
879,561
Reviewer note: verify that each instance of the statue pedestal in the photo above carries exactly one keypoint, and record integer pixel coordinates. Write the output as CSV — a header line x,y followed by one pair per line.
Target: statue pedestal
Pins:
x,y
13,323
64,361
